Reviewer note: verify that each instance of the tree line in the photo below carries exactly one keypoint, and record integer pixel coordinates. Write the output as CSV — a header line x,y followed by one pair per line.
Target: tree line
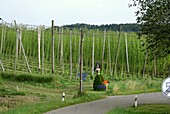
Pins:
x,y
129,27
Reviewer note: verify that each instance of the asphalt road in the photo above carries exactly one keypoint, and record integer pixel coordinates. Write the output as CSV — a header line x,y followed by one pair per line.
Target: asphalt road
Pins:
x,y
104,105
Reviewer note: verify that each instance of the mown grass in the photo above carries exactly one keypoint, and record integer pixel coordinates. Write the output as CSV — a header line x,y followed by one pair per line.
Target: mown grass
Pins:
x,y
143,109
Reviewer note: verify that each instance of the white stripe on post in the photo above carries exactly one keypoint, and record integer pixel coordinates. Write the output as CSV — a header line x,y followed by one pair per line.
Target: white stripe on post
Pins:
x,y
136,102
63,96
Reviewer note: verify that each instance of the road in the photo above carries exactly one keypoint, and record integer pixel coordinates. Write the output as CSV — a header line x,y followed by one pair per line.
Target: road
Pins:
x,y
104,105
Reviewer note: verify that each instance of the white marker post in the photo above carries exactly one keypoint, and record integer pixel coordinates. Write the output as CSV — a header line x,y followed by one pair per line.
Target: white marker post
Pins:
x,y
136,102
17,88
63,96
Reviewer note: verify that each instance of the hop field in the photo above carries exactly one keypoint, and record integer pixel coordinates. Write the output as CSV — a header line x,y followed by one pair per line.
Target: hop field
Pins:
x,y
25,48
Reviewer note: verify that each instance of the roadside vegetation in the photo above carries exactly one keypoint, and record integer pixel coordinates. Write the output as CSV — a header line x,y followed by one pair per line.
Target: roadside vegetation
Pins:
x,y
143,109
29,97
25,95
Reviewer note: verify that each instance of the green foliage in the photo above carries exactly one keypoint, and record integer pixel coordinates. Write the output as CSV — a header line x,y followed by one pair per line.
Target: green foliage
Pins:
x,y
98,80
98,83
154,25
131,27
26,77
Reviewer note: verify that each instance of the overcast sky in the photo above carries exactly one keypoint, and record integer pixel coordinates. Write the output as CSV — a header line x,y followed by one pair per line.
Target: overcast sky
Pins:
x,y
67,11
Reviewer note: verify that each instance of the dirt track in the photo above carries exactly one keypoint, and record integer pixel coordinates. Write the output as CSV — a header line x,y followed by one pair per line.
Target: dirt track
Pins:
x,y
104,105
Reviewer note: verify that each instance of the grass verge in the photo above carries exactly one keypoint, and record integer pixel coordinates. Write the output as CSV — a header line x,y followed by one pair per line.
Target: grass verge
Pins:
x,y
134,86
32,93
45,106
143,109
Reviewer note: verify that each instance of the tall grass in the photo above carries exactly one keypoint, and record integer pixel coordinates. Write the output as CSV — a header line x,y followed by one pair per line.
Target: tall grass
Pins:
x,y
134,86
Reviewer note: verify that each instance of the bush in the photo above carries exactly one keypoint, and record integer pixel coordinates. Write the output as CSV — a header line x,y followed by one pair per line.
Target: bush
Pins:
x,y
98,83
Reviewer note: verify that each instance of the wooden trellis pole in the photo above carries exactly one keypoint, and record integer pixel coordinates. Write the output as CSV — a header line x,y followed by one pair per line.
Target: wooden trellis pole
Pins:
x,y
110,61
19,51
2,66
82,40
97,54
52,30
78,57
70,54
127,59
118,45
104,40
2,37
24,53
1,48
59,42
18,38
81,56
61,52
43,50
39,43
144,67
93,55
16,50
61,47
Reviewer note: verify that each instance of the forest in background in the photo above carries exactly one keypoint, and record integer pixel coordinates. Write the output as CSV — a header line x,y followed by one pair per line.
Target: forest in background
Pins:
x,y
129,27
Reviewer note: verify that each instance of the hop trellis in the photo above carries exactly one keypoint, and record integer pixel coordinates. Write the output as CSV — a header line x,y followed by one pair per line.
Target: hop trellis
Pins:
x,y
28,48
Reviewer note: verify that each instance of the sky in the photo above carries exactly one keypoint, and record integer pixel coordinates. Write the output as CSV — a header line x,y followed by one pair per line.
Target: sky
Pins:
x,y
63,12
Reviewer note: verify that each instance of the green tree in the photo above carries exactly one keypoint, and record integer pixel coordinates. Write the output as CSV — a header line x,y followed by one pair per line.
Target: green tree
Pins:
x,y
154,18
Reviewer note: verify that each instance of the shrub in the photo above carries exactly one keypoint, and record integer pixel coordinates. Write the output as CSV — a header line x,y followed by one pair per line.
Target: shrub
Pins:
x,y
98,83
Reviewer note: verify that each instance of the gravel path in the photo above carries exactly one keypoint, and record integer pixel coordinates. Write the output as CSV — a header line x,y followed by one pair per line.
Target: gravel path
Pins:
x,y
104,105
